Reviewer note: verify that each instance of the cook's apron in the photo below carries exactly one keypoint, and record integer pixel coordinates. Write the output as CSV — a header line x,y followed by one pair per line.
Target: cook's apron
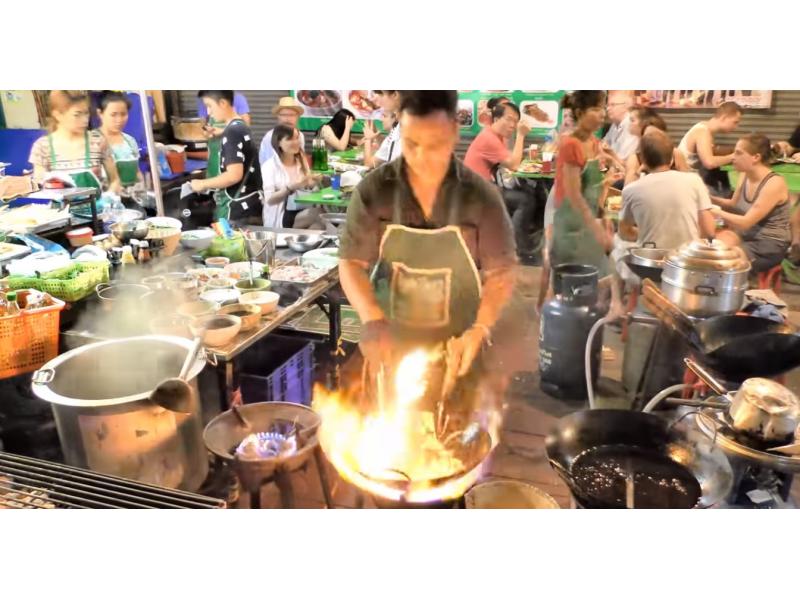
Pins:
x,y
82,177
236,207
573,241
429,288
128,169
214,146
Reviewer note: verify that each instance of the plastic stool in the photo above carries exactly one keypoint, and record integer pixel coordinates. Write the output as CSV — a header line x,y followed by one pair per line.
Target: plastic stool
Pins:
x,y
771,279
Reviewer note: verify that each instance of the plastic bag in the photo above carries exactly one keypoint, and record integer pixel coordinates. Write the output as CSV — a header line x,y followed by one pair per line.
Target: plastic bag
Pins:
x,y
233,248
40,244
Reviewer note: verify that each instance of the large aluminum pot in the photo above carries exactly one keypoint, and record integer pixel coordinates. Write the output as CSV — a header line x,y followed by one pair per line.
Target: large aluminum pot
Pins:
x,y
766,410
706,278
99,395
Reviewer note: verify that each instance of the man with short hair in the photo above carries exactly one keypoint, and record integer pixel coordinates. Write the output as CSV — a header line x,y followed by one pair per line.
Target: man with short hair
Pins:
x,y
288,111
698,143
489,150
665,208
237,188
427,254
619,137
392,144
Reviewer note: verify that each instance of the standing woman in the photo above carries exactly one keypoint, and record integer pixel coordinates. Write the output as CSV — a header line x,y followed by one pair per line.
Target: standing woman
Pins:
x,y
758,213
578,234
70,148
113,113
336,132
284,175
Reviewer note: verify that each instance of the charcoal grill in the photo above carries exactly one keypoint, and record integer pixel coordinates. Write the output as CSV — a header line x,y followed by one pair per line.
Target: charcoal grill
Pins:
x,y
33,483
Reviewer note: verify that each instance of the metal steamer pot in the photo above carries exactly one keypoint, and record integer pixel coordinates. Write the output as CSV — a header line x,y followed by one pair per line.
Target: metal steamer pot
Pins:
x,y
100,399
706,278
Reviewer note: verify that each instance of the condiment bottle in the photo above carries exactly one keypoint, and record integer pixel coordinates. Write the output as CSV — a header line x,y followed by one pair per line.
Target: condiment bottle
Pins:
x,y
12,308
144,252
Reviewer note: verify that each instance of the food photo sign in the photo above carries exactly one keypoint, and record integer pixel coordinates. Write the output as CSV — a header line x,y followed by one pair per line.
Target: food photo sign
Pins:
x,y
669,99
539,107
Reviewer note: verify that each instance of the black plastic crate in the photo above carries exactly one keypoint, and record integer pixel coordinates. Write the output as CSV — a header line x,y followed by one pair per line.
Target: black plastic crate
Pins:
x,y
278,369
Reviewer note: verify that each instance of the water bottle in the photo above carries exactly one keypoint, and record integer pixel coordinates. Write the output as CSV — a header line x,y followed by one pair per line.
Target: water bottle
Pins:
x,y
323,156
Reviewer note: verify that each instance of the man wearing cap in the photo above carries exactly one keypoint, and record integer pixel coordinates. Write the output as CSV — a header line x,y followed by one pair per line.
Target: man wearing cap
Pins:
x,y
288,111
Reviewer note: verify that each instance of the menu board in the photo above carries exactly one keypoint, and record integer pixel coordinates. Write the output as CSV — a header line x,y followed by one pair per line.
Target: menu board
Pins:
x,y
669,99
541,108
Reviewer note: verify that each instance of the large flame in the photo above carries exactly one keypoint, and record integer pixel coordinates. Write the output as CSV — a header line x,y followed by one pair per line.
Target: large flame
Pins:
x,y
392,451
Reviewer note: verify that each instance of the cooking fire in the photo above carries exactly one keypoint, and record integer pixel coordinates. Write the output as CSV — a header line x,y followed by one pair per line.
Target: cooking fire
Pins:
x,y
398,448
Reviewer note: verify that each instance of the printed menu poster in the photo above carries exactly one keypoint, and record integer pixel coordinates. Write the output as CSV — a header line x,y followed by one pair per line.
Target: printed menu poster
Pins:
x,y
670,99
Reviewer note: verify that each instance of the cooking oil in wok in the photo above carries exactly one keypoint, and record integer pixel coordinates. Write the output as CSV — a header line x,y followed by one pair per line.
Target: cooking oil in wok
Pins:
x,y
618,476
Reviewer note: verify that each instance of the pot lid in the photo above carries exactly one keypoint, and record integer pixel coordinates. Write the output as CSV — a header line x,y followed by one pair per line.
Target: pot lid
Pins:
x,y
769,396
704,255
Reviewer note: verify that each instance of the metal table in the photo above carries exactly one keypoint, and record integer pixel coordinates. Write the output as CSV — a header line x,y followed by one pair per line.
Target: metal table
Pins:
x,y
320,293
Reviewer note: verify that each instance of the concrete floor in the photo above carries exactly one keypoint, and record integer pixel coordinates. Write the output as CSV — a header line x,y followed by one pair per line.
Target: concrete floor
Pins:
x,y
530,413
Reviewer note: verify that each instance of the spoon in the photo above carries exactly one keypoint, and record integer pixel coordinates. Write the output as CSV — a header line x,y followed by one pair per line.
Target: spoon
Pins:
x,y
174,393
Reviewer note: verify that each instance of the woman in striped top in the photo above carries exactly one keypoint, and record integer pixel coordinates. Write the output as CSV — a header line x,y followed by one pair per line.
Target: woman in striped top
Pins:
x,y
70,148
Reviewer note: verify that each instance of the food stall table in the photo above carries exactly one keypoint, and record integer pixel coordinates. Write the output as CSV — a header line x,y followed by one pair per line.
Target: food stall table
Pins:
x,y
320,292
789,171
320,198
532,170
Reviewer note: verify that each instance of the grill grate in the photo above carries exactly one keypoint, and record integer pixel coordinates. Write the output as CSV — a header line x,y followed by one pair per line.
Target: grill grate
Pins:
x,y
33,483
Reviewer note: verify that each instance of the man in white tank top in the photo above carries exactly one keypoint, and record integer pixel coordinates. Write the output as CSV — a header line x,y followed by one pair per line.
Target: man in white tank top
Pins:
x,y
698,143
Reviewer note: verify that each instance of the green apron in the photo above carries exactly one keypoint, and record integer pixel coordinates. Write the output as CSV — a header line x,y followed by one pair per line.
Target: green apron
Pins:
x,y
428,287
128,169
82,178
214,146
573,241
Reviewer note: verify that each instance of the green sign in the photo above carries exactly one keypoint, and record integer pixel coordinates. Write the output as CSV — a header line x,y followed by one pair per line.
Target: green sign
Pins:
x,y
540,108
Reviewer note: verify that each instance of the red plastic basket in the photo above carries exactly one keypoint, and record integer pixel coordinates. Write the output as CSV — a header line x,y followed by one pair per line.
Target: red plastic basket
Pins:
x,y
30,339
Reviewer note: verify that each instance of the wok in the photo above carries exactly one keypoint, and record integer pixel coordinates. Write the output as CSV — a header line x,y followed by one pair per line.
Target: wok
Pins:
x,y
587,430
646,263
736,346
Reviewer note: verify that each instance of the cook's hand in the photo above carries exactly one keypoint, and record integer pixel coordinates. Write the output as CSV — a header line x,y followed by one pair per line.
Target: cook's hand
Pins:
x,y
463,350
376,344
198,185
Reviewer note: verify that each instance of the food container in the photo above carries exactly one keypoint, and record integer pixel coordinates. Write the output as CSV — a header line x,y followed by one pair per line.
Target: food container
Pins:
x,y
170,236
114,295
184,284
218,262
766,410
248,313
220,283
217,330
321,258
198,308
266,301
188,130
220,296
706,278
80,237
100,399
507,494
257,285
303,243
197,239
241,270
125,231
154,282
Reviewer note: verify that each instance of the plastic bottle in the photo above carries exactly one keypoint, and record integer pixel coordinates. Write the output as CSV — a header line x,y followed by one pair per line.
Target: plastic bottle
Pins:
x,y
127,256
12,308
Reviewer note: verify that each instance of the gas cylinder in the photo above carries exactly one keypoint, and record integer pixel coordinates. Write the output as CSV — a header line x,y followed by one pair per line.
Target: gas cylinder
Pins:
x,y
563,331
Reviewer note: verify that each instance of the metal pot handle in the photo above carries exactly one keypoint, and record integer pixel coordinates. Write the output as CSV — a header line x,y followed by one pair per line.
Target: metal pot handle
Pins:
x,y
101,286
705,290
43,376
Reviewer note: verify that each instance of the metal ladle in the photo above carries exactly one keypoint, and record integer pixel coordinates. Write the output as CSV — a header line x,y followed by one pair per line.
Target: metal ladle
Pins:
x,y
174,393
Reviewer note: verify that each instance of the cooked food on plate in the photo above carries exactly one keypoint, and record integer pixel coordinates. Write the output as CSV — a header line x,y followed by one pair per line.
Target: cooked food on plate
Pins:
x,y
318,98
533,110
362,101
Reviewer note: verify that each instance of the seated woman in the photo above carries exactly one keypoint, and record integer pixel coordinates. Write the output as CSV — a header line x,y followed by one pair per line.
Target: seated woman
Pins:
x,y
336,132
70,148
113,113
285,174
643,118
758,213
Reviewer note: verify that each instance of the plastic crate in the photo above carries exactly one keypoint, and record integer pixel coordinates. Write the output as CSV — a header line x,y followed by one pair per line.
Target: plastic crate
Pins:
x,y
79,281
278,369
29,340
